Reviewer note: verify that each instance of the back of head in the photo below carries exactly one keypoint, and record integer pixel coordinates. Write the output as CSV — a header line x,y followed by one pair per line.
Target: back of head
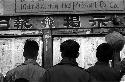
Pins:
x,y
104,52
21,80
70,49
30,49
116,40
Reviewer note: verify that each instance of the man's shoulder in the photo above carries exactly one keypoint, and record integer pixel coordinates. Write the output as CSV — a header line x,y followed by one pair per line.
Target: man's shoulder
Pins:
x,y
91,68
25,67
10,72
22,70
67,68
30,66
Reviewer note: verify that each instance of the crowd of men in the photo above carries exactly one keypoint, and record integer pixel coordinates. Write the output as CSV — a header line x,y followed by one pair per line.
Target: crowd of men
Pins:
x,y
67,70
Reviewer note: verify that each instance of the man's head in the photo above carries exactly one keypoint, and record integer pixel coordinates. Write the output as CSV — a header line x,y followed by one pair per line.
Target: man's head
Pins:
x,y
31,49
116,40
70,49
104,52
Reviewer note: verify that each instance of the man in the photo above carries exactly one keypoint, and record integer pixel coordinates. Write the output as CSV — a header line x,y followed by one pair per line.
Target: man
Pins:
x,y
67,70
122,64
101,71
30,69
117,41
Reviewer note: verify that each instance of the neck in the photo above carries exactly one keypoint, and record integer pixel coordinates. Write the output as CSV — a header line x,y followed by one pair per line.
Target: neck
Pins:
x,y
30,59
106,62
116,60
103,63
71,59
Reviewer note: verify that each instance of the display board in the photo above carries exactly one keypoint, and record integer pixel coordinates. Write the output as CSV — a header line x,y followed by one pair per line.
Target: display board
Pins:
x,y
11,52
38,7
88,45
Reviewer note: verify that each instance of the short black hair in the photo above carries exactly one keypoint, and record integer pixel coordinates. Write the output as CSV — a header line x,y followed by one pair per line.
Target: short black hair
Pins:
x,y
69,48
21,80
104,52
31,48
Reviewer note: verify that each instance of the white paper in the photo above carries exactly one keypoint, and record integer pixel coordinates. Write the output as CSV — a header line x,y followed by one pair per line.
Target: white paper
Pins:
x,y
11,52
88,45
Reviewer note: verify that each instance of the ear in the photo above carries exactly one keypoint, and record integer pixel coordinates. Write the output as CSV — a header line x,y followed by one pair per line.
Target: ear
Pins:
x,y
62,54
24,54
77,54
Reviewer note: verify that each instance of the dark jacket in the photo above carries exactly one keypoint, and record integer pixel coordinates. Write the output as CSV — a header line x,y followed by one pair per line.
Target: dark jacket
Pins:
x,y
66,71
103,72
29,70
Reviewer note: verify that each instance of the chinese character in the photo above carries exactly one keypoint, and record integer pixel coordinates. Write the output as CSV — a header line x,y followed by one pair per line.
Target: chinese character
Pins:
x,y
4,22
47,22
26,23
72,21
99,21
22,23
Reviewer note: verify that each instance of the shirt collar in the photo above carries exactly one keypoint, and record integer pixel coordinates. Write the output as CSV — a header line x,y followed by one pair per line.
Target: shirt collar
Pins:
x,y
30,61
101,63
68,61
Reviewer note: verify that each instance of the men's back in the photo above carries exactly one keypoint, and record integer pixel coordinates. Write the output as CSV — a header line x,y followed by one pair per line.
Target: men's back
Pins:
x,y
66,71
101,70
103,73
29,70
